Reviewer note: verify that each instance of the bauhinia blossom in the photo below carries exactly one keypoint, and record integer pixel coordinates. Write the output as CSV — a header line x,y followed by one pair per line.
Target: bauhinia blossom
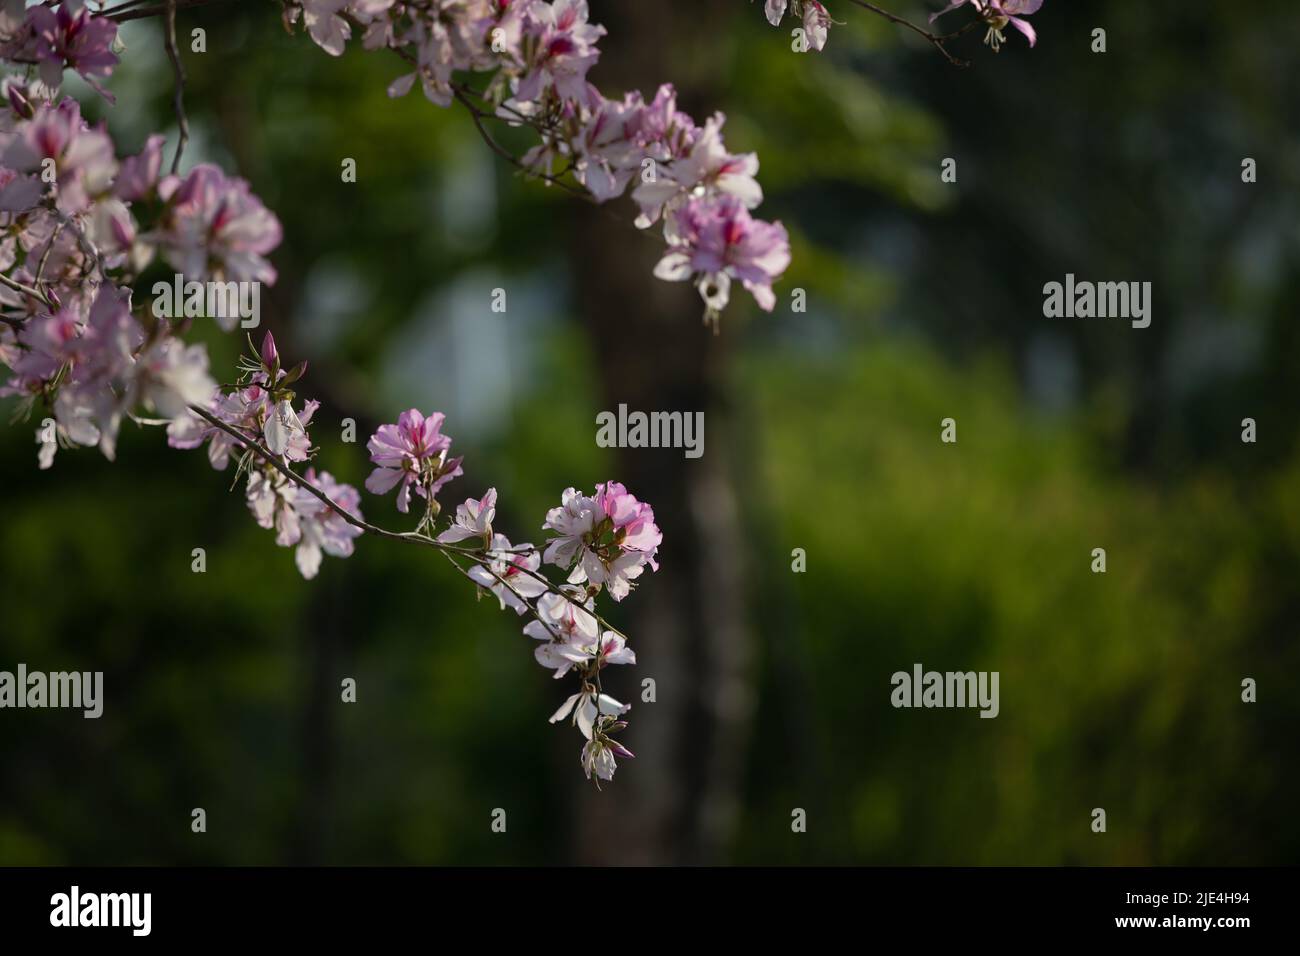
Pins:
x,y
816,21
713,241
68,37
998,14
511,574
596,715
473,520
571,635
538,55
323,530
607,539
412,455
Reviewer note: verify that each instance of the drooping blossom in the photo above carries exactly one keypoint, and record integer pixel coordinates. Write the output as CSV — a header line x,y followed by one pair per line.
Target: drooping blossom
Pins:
x,y
539,54
569,636
816,24
998,14
715,240
584,707
323,530
599,752
816,20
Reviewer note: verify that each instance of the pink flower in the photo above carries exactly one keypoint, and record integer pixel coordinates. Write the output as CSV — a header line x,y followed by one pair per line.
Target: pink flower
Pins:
x,y
998,14
565,51
599,752
272,499
329,30
253,407
607,155
70,37
816,24
84,163
322,530
169,376
412,453
707,165
715,240
607,539
138,177
213,226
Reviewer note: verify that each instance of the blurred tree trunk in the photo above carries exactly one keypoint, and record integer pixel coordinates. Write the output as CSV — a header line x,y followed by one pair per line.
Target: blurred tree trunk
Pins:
x,y
677,802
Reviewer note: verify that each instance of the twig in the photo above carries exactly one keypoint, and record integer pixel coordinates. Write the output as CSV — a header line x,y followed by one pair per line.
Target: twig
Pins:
x,y
936,39
178,88
478,116
410,537
25,289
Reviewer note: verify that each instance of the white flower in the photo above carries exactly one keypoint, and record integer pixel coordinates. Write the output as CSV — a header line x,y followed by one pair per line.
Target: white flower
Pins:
x,y
511,573
575,517
568,630
583,705
281,426
473,519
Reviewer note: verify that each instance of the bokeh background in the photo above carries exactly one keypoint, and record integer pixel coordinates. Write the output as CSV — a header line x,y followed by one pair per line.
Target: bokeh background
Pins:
x,y
1119,691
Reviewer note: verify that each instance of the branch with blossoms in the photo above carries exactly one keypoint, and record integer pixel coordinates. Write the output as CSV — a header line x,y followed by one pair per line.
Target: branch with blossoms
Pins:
x,y
603,541
80,226
815,22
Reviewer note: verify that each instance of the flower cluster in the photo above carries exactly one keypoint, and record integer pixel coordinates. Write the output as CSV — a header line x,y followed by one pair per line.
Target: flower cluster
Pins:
x,y
538,54
77,226
260,408
604,540
54,40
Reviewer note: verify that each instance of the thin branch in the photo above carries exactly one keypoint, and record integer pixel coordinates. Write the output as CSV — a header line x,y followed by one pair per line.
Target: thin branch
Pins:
x,y
410,537
937,40
25,289
178,88
478,116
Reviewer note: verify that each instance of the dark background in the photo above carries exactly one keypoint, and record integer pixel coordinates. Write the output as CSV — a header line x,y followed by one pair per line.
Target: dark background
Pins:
x,y
1119,691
